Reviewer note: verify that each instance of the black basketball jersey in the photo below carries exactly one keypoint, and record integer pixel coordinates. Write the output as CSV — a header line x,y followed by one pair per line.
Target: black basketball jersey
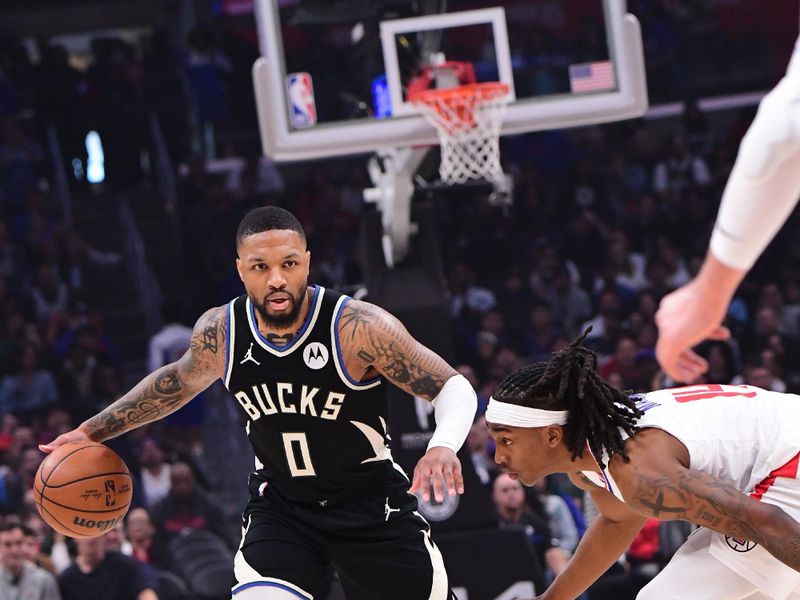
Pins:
x,y
317,434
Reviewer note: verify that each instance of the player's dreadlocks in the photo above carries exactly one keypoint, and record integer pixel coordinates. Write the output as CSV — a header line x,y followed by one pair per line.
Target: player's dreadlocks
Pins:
x,y
569,381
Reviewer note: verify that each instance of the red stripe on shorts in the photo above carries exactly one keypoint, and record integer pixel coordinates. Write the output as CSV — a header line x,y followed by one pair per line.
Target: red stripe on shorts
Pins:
x,y
788,470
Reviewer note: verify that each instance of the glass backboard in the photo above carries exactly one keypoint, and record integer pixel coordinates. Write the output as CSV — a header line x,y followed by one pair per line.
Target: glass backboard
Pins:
x,y
333,74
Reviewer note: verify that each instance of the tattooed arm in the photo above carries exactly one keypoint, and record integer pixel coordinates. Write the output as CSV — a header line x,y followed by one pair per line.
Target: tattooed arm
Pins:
x,y
165,390
374,338
659,486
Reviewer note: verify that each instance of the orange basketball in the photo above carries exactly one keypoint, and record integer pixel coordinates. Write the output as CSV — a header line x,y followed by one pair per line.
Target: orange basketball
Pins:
x,y
83,489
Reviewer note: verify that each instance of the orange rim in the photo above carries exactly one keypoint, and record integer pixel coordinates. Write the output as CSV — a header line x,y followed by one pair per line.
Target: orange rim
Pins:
x,y
483,92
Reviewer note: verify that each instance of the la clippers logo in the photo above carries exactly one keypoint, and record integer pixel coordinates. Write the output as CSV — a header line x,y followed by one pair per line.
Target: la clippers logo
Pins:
x,y
111,492
315,355
740,545
302,106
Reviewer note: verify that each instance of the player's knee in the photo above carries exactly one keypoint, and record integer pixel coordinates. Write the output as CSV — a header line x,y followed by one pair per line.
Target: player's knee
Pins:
x,y
264,593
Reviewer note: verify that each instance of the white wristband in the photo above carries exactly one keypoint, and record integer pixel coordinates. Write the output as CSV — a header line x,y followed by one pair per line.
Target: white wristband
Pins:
x,y
454,408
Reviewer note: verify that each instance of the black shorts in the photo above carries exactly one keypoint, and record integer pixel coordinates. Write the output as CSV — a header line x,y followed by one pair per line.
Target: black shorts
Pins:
x,y
379,545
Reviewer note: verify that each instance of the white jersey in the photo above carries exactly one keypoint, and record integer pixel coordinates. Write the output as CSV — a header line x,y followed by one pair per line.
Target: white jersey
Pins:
x,y
738,433
744,435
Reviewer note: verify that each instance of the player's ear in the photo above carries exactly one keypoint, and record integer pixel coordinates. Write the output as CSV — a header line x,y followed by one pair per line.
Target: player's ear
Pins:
x,y
239,269
554,435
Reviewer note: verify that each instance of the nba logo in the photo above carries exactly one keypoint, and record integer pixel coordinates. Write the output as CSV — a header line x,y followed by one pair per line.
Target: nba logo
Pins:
x,y
303,110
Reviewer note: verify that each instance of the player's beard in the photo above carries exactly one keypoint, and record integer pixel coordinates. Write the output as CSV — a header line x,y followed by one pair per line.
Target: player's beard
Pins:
x,y
282,320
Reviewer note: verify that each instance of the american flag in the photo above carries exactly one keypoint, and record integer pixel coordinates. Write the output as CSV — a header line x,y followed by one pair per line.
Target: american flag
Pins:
x,y
593,76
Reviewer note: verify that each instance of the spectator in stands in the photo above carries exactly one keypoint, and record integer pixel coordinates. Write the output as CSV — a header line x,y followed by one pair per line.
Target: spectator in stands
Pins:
x,y
142,536
542,333
624,362
757,374
10,486
186,507
102,575
570,303
30,459
30,388
56,422
50,295
117,542
561,518
169,344
19,577
466,297
680,170
512,510
721,362
478,444
154,472
21,158
32,546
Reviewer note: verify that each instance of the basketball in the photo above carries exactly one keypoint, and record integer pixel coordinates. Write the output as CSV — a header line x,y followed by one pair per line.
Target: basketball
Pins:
x,y
83,489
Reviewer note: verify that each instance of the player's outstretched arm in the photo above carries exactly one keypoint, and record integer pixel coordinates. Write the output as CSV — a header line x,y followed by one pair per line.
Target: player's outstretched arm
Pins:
x,y
710,502
165,390
657,483
379,340
604,542
762,191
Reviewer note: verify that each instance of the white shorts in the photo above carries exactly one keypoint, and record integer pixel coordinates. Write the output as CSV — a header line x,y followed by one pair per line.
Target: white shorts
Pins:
x,y
712,566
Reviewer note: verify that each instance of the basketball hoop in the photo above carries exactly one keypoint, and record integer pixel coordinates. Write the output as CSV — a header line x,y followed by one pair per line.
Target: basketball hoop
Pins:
x,y
467,119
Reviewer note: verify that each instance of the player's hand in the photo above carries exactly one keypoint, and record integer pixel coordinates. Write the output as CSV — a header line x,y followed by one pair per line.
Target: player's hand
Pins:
x,y
685,318
76,435
441,467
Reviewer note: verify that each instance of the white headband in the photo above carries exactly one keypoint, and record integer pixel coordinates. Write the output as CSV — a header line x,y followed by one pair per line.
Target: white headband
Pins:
x,y
503,413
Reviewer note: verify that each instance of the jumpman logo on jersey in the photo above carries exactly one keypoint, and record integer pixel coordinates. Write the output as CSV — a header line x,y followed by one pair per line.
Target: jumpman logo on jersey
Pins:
x,y
249,356
387,510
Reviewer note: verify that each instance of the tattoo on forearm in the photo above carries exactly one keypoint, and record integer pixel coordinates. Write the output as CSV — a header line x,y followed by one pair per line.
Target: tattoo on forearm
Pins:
x,y
168,388
154,397
658,506
704,500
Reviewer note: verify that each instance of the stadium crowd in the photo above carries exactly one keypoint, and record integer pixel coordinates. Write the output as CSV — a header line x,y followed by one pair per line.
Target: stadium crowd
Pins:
x,y
605,221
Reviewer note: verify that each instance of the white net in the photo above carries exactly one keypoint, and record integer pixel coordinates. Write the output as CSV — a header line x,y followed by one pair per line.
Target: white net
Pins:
x,y
468,120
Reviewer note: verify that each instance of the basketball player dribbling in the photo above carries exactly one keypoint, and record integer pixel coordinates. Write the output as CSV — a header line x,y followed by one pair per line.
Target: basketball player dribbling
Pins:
x,y
763,189
722,457
307,366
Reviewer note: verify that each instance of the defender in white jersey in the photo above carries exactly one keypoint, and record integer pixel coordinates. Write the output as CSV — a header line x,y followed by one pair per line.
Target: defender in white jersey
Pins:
x,y
722,457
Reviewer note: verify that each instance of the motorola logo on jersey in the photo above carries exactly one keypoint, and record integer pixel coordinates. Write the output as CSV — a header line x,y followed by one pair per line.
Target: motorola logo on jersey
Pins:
x,y
315,355
740,545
